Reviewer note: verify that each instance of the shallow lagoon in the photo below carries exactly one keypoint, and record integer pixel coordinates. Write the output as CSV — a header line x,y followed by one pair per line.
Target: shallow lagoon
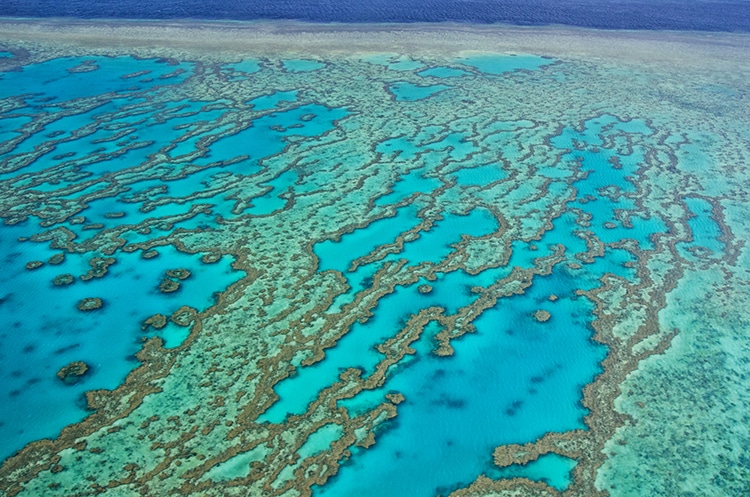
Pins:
x,y
406,273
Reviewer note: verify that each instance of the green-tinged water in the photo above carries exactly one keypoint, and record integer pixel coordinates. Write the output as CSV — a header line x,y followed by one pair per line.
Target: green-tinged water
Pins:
x,y
370,272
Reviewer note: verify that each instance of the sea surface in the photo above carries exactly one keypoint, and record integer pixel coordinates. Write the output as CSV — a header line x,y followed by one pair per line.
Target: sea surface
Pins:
x,y
271,268
700,15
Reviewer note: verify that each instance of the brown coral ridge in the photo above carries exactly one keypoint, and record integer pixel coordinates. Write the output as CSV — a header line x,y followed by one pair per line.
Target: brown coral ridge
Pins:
x,y
108,406
593,451
63,279
168,285
184,316
157,321
180,273
172,278
149,254
73,372
542,315
58,258
99,267
586,445
211,258
516,487
90,304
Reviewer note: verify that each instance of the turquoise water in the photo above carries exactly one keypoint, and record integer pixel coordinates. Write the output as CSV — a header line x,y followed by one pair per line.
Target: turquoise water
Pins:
x,y
306,202
403,149
357,347
552,469
480,176
146,201
706,243
361,242
109,138
40,339
55,79
409,184
511,381
12,126
501,64
273,200
266,136
530,372
241,71
408,92
436,243
266,102
121,139
302,65
443,72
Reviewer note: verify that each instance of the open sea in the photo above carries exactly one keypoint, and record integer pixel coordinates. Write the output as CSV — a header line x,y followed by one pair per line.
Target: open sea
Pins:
x,y
374,249
701,15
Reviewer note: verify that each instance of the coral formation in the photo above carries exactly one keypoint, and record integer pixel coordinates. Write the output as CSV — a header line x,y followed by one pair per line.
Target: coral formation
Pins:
x,y
385,260
73,372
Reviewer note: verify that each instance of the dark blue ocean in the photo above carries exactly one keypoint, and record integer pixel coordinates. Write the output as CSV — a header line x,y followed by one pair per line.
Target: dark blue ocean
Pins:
x,y
705,15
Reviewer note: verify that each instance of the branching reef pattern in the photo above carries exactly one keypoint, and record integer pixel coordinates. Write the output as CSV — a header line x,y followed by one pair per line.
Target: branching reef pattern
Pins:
x,y
372,271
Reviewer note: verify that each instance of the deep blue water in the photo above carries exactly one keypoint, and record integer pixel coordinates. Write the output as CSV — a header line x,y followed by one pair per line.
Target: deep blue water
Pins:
x,y
706,15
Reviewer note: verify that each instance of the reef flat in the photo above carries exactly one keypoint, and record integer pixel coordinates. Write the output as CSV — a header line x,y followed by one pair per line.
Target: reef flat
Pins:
x,y
288,259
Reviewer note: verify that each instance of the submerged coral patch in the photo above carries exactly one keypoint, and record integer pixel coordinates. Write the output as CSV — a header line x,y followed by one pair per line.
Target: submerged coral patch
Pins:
x,y
73,372
63,279
90,304
542,315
